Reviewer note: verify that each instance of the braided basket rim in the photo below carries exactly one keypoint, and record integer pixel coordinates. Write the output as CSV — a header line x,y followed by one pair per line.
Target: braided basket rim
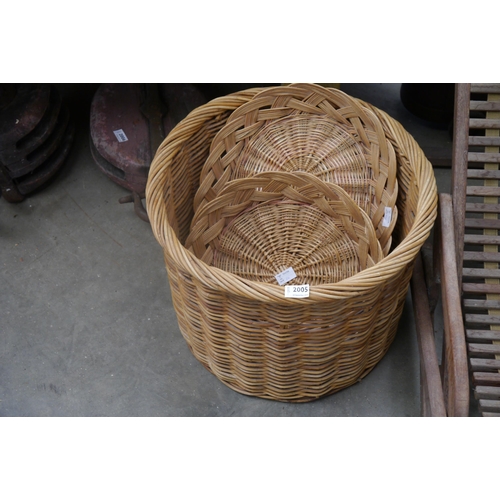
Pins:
x,y
309,189
268,107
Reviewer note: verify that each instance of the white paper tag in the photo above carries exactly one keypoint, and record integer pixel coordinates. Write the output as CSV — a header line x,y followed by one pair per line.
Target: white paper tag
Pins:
x,y
386,221
285,276
120,135
297,291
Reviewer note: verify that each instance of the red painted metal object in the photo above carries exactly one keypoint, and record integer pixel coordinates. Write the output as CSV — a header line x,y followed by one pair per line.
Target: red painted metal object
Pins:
x,y
36,134
128,122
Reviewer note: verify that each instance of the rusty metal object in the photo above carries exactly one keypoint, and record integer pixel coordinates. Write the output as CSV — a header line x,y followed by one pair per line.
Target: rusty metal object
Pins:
x,y
128,122
22,106
138,206
36,134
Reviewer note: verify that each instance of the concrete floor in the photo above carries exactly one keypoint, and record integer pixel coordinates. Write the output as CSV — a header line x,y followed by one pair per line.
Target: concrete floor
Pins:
x,y
87,324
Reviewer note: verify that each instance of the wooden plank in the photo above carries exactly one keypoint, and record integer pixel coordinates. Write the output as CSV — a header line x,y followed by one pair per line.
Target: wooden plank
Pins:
x,y
482,257
431,388
459,170
480,288
480,239
481,273
490,414
479,173
481,304
479,123
455,367
487,349
475,335
485,378
482,319
485,105
482,223
487,392
483,190
485,88
489,404
482,207
484,157
482,365
477,140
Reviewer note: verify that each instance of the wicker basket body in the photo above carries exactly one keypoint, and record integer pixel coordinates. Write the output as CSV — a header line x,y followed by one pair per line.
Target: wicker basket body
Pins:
x,y
306,127
247,333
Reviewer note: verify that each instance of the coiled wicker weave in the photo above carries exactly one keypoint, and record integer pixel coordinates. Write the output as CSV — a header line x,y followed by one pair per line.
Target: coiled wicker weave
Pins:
x,y
305,127
247,333
258,227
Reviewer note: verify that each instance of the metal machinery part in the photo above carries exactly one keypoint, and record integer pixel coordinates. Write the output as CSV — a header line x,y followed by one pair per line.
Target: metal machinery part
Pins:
x,y
128,122
36,134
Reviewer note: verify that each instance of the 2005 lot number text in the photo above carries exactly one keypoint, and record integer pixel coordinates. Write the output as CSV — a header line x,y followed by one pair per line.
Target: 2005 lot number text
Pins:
x,y
297,291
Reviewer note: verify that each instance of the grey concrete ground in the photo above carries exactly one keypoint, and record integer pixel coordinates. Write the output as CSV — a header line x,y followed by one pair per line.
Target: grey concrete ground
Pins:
x,y
87,326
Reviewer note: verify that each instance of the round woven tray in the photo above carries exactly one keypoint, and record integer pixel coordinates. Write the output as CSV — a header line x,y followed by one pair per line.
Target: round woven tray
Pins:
x,y
247,333
259,227
305,127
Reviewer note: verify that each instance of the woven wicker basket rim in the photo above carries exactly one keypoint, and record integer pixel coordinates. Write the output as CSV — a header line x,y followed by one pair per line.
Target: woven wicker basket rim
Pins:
x,y
402,255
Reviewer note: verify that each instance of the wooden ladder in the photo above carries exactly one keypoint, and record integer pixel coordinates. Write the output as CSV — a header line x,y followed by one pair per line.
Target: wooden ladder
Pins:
x,y
476,193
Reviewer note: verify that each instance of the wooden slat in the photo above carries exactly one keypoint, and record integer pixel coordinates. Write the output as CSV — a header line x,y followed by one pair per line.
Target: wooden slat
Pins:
x,y
483,190
489,404
475,335
485,378
479,173
490,414
484,157
479,140
486,349
482,257
482,207
485,88
459,170
480,288
431,389
485,106
482,223
455,366
481,365
481,304
482,319
479,123
487,392
480,239
481,273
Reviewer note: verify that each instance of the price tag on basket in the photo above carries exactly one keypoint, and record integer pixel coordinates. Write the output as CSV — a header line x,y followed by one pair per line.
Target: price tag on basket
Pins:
x,y
297,291
386,221
285,276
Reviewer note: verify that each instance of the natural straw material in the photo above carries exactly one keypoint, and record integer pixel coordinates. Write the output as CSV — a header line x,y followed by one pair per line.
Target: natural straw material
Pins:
x,y
305,127
309,143
247,333
260,226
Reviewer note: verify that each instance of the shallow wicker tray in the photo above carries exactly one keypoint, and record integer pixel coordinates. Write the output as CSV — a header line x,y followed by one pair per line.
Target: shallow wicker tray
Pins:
x,y
305,127
260,226
247,333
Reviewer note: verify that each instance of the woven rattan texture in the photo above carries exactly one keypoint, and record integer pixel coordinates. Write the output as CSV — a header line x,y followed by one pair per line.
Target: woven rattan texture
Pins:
x,y
259,226
247,333
314,144
313,112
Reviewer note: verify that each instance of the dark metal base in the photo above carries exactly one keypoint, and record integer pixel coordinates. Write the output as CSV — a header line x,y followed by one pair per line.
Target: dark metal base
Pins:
x,y
141,115
28,161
